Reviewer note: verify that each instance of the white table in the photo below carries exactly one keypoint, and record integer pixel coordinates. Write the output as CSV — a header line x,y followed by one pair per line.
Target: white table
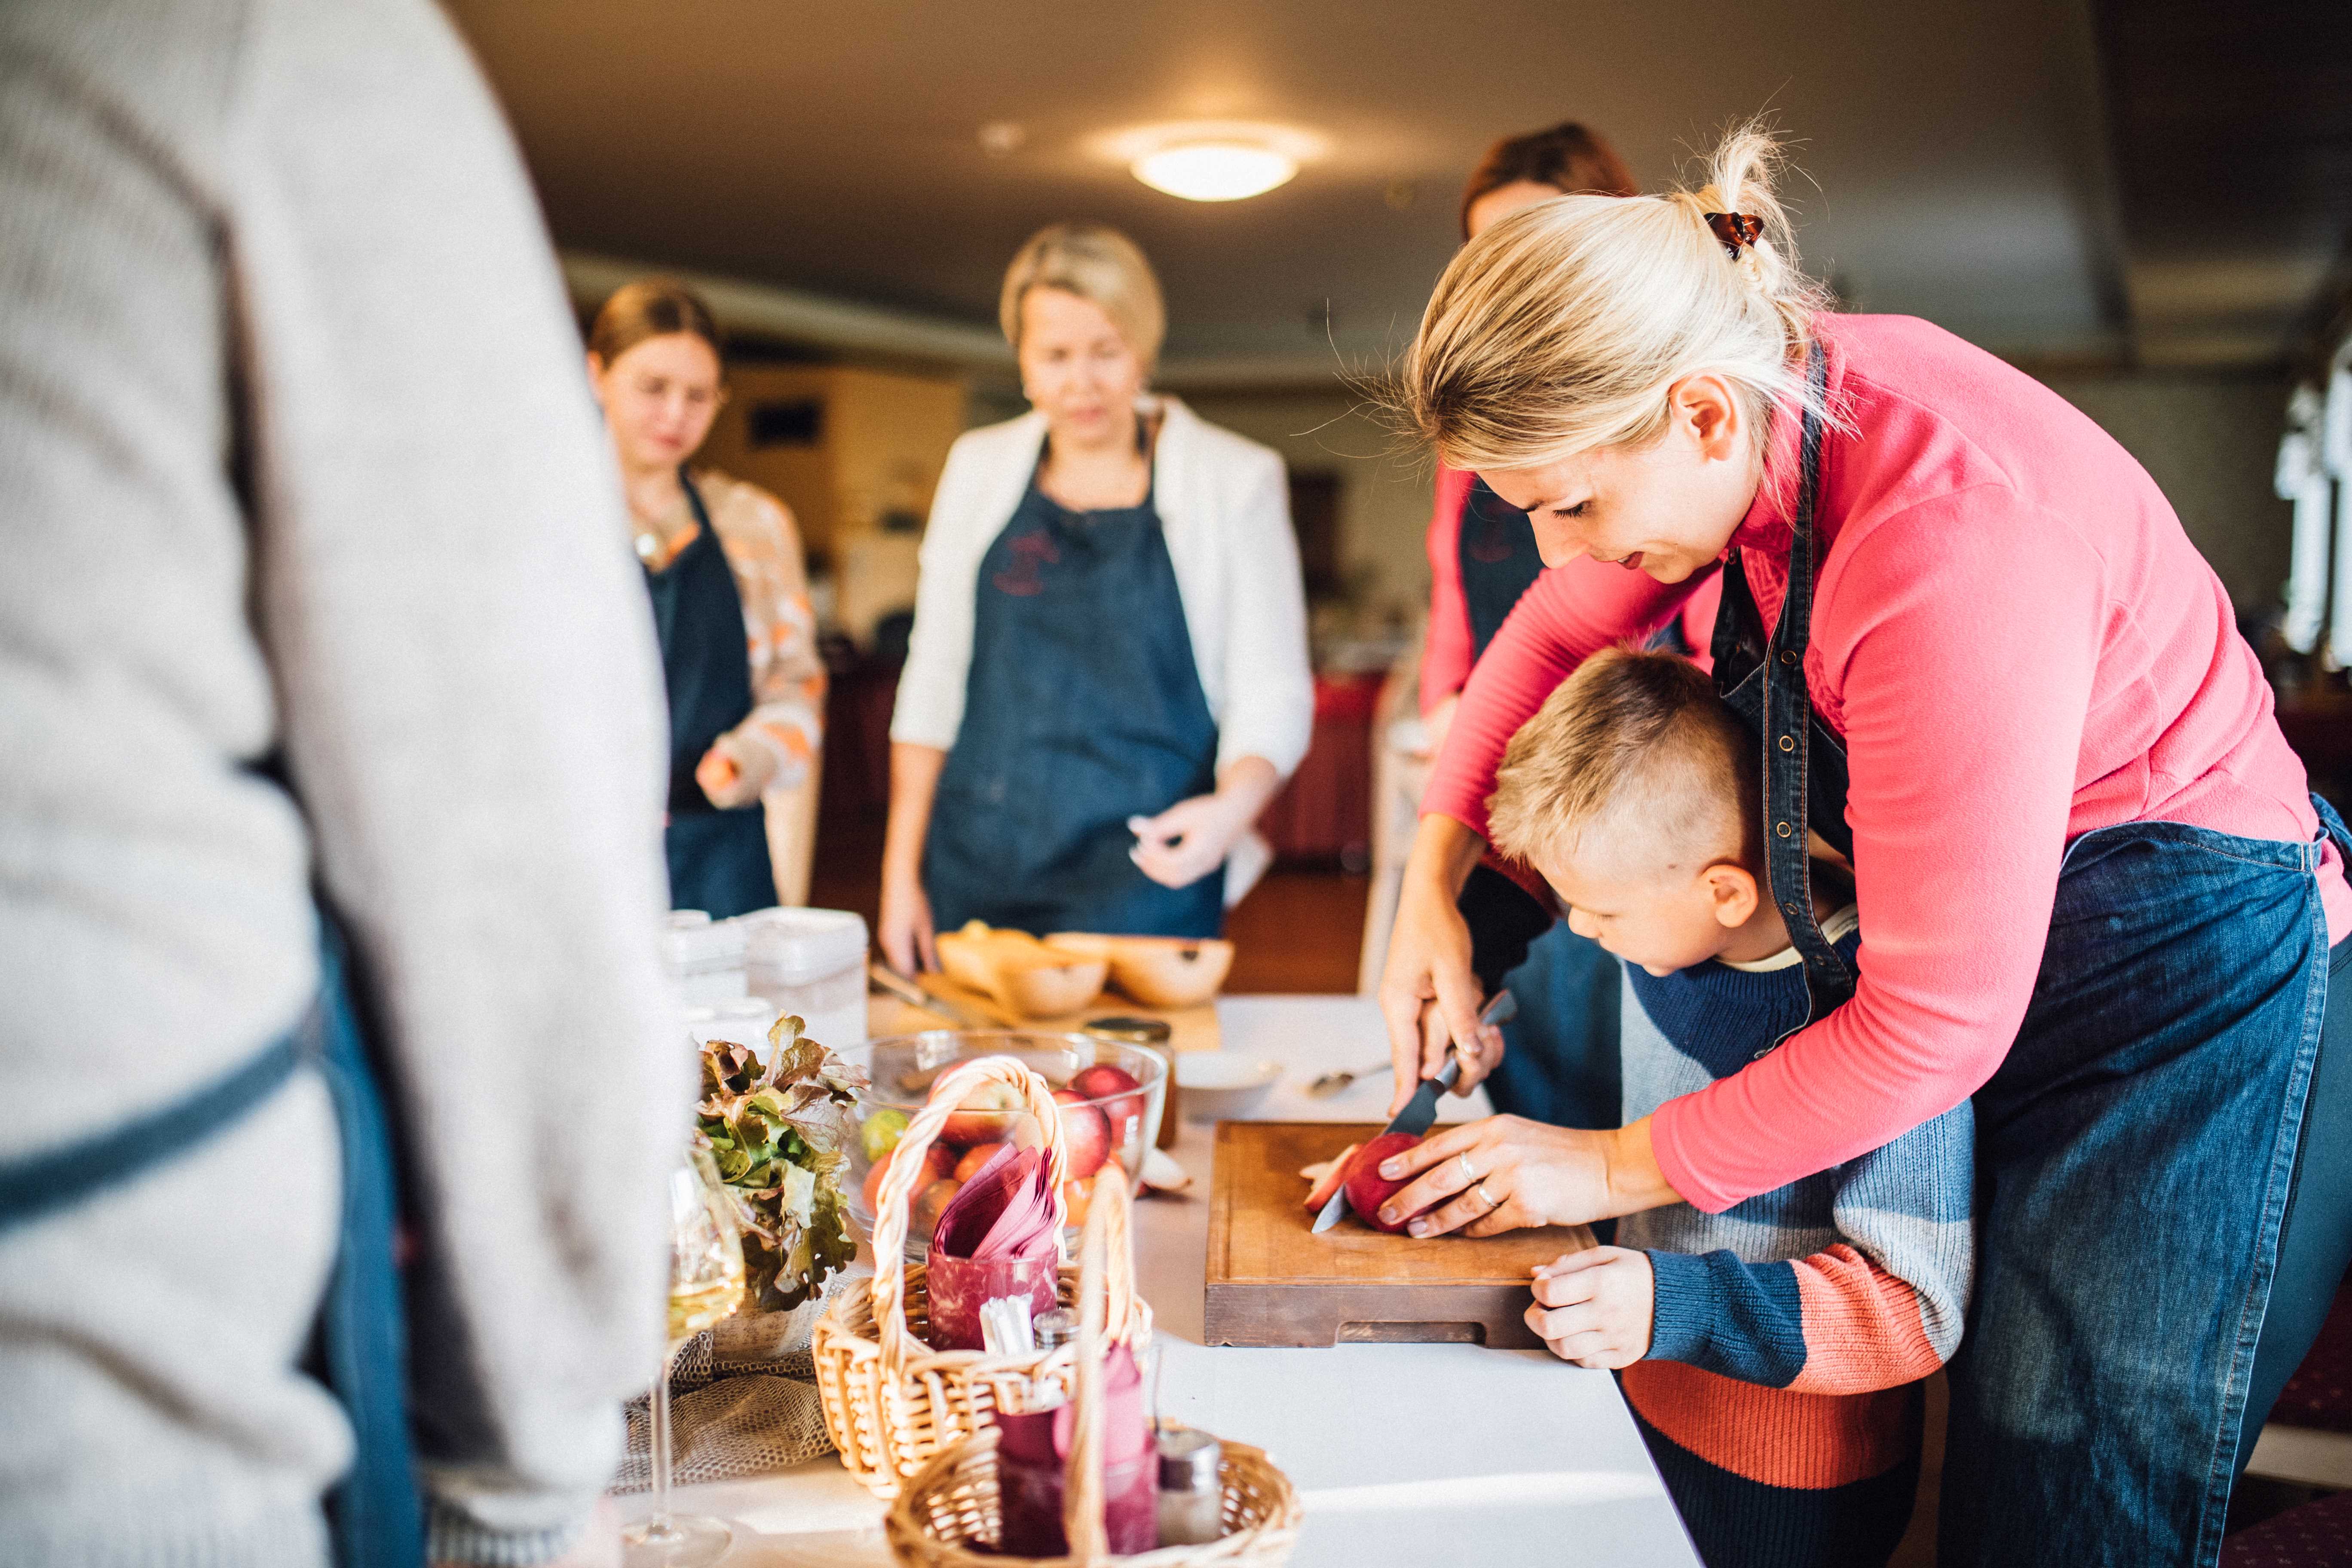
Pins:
x,y
1402,1454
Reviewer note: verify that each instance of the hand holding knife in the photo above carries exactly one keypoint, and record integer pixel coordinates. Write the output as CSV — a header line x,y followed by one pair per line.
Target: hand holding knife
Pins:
x,y
1420,1113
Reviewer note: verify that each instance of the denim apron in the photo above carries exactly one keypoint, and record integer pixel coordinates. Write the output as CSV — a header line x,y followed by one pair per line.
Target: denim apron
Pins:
x,y
1559,1061
1499,561
375,1513
1083,708
718,859
2136,1149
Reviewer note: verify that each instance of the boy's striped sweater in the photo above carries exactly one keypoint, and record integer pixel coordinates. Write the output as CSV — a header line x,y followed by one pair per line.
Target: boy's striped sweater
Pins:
x,y
1790,1329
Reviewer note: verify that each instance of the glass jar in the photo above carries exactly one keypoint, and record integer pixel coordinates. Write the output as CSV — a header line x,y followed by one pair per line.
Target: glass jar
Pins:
x,y
1191,1486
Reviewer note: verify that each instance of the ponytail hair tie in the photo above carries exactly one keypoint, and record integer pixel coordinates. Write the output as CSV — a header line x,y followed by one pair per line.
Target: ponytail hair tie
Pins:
x,y
1735,230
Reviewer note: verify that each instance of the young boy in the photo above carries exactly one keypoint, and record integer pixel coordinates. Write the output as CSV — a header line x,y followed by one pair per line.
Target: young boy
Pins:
x,y
1772,1354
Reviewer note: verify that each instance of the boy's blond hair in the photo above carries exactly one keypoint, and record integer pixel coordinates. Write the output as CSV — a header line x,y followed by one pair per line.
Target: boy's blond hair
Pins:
x,y
1637,749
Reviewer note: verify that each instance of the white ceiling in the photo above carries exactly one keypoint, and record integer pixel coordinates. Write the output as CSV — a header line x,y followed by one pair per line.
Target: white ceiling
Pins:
x,y
1958,147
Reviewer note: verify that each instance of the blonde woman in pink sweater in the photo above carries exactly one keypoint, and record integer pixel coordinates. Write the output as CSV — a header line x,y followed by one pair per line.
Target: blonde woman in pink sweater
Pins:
x,y
1984,663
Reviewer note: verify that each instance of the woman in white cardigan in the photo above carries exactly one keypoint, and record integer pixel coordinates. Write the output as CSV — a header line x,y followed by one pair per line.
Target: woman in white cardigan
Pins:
x,y
1108,679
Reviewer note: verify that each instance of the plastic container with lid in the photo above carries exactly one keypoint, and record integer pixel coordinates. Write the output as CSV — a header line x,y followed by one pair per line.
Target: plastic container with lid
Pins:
x,y
706,955
811,962
742,1020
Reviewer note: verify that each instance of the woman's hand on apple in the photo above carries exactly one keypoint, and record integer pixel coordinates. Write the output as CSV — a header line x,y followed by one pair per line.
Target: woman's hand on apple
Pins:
x,y
1507,1173
1502,1173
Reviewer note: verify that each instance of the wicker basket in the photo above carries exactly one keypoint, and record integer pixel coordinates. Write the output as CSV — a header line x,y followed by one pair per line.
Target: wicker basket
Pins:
x,y
949,1515
890,1400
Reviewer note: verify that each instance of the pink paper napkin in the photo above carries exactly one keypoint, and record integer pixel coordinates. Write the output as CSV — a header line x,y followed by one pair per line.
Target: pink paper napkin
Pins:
x,y
1008,1209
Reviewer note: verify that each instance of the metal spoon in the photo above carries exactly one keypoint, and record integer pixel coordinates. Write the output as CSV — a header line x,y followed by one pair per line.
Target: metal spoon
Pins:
x,y
1332,1083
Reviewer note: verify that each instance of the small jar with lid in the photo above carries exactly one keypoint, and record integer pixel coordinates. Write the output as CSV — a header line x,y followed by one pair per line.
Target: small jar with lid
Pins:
x,y
1191,1486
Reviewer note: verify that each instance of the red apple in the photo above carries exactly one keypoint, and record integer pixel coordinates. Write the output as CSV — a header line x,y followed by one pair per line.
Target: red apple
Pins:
x,y
1368,1189
942,1162
1086,1134
1333,1174
978,1155
923,1219
989,1113
1102,1081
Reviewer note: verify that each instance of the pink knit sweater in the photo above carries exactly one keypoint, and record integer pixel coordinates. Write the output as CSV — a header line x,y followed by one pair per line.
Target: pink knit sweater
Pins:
x,y
2019,645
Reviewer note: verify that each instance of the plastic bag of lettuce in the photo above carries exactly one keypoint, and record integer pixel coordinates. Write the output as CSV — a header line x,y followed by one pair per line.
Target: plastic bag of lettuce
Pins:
x,y
778,1129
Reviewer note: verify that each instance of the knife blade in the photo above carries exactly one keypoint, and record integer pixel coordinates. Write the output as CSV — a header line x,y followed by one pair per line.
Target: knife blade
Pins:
x,y
1420,1112
891,983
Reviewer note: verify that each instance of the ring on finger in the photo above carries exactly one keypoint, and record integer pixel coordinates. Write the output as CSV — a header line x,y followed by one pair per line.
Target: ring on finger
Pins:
x,y
1469,1172
1491,1201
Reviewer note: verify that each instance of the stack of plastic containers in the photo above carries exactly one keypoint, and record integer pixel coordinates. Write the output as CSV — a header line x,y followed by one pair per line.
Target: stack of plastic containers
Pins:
x,y
739,975
706,956
811,962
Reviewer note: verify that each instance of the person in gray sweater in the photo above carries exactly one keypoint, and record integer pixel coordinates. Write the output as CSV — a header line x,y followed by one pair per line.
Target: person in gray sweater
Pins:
x,y
297,465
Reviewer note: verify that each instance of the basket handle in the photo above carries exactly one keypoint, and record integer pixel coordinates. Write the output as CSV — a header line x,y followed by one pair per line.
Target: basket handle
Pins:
x,y
1105,1250
897,1194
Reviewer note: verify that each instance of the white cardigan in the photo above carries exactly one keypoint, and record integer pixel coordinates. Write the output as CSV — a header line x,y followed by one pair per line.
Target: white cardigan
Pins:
x,y
1224,510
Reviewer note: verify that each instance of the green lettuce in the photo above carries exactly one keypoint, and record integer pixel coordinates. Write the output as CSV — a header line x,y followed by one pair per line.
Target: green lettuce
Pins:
x,y
778,1129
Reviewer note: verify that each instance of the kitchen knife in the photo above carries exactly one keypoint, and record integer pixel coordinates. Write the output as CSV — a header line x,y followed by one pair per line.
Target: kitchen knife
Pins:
x,y
1420,1113
892,983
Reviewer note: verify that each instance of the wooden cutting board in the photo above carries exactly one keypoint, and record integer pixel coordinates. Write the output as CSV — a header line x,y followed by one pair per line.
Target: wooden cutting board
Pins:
x,y
1272,1281
1189,1028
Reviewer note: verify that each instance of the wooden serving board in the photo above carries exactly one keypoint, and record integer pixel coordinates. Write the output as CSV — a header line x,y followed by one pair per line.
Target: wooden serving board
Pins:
x,y
1272,1281
1189,1028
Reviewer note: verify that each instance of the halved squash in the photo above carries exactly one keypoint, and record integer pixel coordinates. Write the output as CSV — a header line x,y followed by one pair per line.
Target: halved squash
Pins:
x,y
1026,977
1157,971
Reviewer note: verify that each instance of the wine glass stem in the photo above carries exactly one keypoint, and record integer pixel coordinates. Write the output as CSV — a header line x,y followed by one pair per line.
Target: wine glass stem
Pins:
x,y
660,1522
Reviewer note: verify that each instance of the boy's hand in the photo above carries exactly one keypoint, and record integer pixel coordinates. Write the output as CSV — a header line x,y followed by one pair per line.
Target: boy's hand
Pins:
x,y
1594,1307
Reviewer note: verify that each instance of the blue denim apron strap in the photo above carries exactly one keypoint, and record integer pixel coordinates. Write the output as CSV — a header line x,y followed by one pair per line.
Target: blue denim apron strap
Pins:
x,y
2332,828
1767,687
33,1186
376,1511
2315,1245
718,859
1499,561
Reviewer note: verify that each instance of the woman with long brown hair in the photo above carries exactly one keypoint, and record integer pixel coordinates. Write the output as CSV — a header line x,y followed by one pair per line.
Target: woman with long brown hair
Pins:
x,y
730,588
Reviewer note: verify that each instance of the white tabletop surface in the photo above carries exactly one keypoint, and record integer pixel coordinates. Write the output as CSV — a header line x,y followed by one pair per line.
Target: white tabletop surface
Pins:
x,y
1402,1454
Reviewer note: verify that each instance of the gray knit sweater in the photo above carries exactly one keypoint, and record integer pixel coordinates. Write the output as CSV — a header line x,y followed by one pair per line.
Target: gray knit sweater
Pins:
x,y
295,454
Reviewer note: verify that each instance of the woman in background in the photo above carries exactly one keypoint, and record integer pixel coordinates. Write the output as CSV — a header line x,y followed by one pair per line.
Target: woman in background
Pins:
x,y
1561,1061
724,566
1108,679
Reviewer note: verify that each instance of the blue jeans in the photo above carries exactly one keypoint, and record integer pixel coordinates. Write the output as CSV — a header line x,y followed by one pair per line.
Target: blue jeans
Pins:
x,y
2136,1154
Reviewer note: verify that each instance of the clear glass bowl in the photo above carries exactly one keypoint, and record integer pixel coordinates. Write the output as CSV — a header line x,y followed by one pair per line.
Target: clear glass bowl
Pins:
x,y
904,1067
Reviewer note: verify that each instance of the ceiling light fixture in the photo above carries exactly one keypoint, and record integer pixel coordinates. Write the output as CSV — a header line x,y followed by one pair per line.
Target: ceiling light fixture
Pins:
x,y
1214,171
1214,160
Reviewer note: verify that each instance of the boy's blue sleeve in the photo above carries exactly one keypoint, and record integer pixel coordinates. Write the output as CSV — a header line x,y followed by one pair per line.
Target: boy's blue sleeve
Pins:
x,y
1880,1306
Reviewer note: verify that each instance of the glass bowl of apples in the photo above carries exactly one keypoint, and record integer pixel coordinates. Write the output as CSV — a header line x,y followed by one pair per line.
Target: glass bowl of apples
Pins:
x,y
1111,1094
